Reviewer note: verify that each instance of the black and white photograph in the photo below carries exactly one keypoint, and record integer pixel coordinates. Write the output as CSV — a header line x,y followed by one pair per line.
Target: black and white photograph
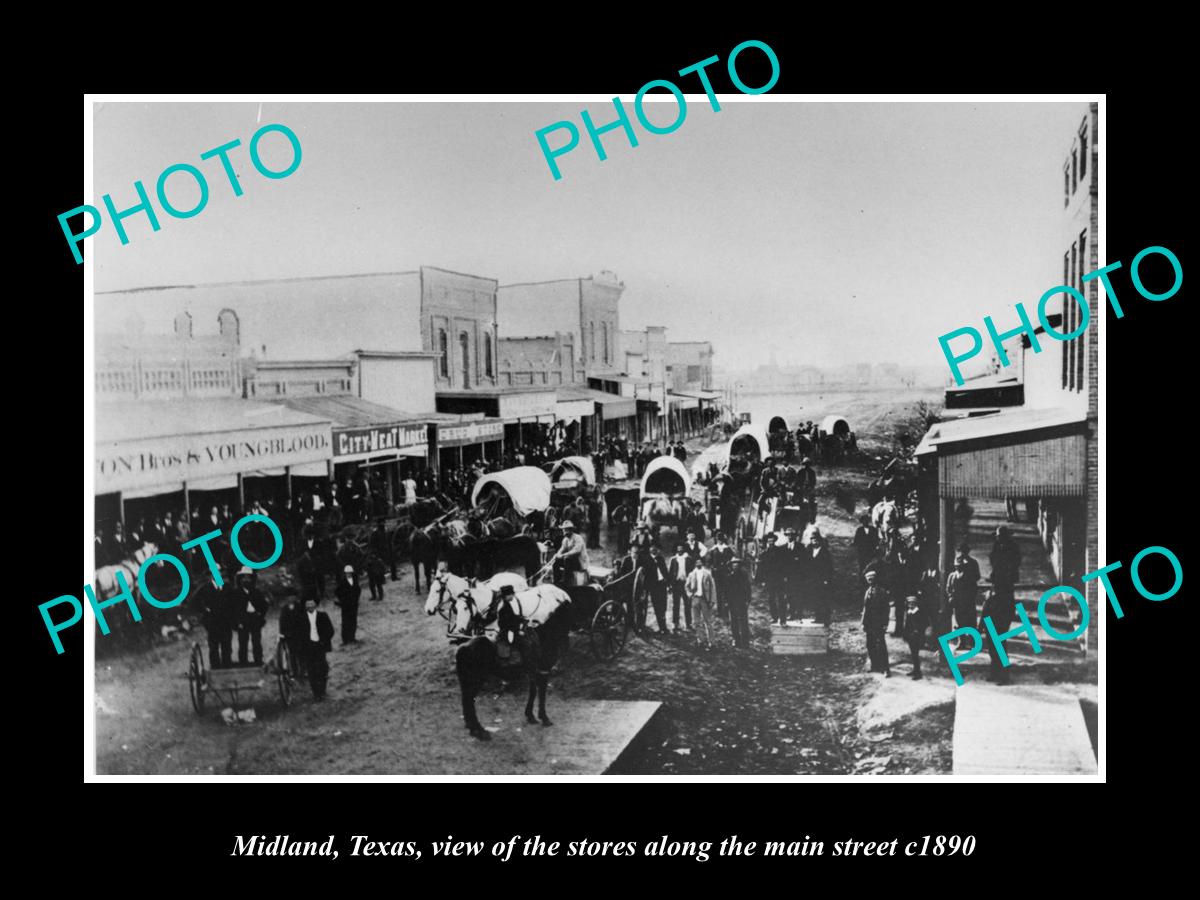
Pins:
x,y
512,437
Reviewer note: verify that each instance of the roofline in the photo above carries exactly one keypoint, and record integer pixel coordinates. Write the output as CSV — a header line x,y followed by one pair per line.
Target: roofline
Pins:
x,y
396,354
338,362
185,287
547,281
463,274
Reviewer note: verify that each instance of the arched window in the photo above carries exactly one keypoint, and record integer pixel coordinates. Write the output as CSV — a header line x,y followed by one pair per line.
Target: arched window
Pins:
x,y
488,364
604,325
464,348
444,350
227,322
183,325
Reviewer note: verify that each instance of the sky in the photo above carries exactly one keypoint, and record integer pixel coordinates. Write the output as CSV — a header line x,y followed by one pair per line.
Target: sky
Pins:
x,y
832,232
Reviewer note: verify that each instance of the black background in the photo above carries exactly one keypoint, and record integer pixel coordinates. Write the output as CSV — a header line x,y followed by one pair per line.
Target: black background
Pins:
x,y
189,828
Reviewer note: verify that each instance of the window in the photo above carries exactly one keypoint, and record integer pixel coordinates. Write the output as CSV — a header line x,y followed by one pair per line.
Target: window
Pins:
x,y
1066,280
592,341
1073,310
464,349
693,373
1066,184
444,350
1074,170
1083,148
604,326
1081,341
488,364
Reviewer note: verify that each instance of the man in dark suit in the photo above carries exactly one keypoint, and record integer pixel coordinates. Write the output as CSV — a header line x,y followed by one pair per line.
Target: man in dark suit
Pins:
x,y
250,615
719,556
794,560
216,614
678,568
348,591
771,575
658,579
318,641
737,597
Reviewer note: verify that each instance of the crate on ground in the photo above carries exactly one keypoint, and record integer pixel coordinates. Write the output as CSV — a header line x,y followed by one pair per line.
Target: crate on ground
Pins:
x,y
799,638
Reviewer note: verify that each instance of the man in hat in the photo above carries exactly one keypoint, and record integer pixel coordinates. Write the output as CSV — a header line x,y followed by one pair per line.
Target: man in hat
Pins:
x,y
217,616
737,590
701,590
806,488
1005,560
875,622
658,578
771,577
318,640
381,546
866,542
641,543
794,558
820,576
960,592
348,592
916,621
623,517
250,615
572,556
678,568
719,556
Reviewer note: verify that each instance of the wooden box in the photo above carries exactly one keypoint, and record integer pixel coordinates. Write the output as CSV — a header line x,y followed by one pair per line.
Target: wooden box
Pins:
x,y
799,638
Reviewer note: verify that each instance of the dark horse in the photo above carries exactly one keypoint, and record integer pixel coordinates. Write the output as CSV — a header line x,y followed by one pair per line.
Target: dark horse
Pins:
x,y
484,557
539,624
423,551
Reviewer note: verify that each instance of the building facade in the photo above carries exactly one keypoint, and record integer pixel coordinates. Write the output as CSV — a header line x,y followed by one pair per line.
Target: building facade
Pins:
x,y
1045,450
586,308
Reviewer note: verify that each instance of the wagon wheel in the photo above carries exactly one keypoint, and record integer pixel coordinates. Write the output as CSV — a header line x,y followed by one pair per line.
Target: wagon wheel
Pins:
x,y
284,670
639,601
196,678
610,630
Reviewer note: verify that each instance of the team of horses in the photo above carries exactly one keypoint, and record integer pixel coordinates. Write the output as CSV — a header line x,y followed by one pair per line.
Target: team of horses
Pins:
x,y
501,633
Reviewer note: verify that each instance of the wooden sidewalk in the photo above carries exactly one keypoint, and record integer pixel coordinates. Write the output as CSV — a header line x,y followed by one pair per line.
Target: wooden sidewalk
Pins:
x,y
1005,733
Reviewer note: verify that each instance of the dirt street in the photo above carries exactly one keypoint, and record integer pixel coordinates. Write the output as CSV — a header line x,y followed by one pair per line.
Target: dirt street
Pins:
x,y
393,698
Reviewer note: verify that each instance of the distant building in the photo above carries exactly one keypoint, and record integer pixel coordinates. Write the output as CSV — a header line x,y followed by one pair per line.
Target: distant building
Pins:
x,y
586,308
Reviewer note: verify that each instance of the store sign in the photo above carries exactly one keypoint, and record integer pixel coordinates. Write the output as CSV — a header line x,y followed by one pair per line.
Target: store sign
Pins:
x,y
376,439
152,462
470,433
527,406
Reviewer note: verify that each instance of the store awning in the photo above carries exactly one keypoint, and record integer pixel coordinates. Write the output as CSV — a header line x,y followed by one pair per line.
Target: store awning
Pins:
x,y
698,394
682,401
1018,453
612,406
156,445
365,430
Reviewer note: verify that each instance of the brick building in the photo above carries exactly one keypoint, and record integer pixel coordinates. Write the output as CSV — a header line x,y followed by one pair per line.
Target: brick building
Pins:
x,y
1042,453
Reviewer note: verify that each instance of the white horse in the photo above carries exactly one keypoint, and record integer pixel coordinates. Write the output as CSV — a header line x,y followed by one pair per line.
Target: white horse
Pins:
x,y
447,587
105,583
534,605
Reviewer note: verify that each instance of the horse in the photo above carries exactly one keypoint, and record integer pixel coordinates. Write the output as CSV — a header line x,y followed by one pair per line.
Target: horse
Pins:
x,y
423,551
537,625
106,585
446,587
483,558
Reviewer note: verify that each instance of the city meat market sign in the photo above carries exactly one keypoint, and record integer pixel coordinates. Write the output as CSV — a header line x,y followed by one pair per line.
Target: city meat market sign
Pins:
x,y
378,439
162,461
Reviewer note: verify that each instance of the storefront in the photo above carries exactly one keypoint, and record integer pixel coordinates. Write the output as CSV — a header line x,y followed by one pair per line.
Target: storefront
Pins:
x,y
374,447
180,456
615,415
462,443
